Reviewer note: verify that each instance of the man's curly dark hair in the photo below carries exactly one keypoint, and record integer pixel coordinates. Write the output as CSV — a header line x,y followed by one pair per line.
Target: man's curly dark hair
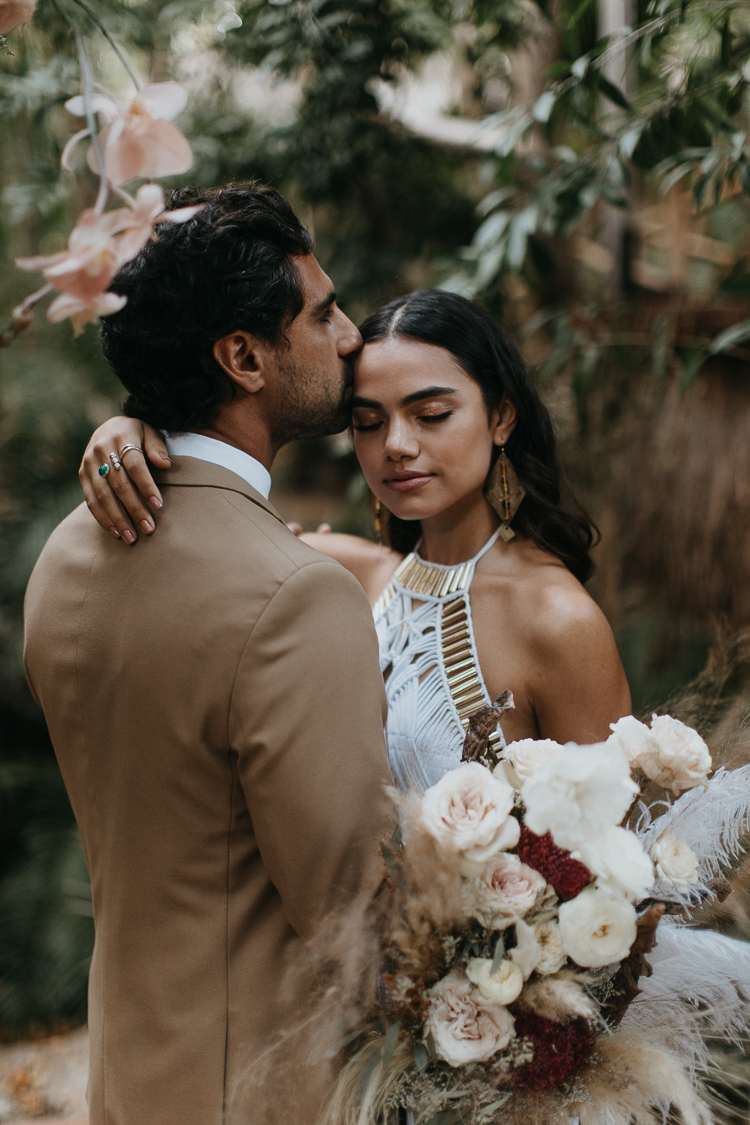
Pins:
x,y
227,268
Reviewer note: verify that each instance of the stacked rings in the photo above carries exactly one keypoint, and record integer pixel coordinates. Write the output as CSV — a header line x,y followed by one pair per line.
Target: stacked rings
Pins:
x,y
116,463
126,448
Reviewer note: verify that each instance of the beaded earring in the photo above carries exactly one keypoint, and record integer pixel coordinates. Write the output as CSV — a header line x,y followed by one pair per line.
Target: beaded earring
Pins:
x,y
504,492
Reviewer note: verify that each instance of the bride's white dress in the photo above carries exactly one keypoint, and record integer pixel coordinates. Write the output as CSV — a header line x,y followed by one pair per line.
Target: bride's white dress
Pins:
x,y
429,661
434,683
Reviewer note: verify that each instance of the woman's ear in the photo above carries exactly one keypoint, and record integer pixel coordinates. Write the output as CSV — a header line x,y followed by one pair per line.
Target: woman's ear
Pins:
x,y
504,421
242,357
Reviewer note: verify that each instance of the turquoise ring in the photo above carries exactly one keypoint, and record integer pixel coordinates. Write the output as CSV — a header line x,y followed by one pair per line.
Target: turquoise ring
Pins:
x,y
103,470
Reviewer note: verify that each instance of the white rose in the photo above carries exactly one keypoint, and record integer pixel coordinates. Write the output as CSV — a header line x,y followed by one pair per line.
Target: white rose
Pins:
x,y
528,754
468,811
501,987
506,891
675,861
549,940
679,759
463,1029
579,793
597,928
618,860
631,736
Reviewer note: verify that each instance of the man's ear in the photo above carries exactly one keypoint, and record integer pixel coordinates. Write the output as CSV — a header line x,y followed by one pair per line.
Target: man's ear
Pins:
x,y
504,421
243,358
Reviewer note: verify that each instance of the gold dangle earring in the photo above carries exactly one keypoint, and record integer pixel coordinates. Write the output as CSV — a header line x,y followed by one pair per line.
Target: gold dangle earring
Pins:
x,y
379,521
504,492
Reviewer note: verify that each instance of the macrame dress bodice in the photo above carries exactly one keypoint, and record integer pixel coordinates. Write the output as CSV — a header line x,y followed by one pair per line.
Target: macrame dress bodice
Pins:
x,y
428,658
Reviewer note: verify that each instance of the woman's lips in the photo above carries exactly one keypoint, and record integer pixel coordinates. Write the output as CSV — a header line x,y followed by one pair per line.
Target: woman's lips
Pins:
x,y
407,484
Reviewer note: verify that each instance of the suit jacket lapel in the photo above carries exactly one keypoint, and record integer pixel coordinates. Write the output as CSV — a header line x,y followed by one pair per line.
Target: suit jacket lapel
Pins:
x,y
189,472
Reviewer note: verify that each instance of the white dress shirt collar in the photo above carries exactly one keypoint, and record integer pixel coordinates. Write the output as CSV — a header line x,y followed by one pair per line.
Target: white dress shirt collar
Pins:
x,y
219,453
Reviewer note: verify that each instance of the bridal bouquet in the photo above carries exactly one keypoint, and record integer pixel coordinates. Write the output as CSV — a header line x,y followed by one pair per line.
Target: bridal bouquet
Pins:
x,y
509,979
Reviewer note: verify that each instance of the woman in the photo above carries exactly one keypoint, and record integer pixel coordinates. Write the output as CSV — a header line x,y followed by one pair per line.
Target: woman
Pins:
x,y
450,433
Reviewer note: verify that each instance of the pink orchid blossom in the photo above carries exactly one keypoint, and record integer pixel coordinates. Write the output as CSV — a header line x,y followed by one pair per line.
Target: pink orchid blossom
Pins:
x,y
92,259
13,12
141,140
148,209
84,311
99,245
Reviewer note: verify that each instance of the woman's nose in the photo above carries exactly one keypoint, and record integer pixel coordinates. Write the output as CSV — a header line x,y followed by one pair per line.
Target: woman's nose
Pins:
x,y
400,441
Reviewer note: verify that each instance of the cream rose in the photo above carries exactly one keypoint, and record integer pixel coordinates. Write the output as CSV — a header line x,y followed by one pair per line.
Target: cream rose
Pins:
x,y
578,793
618,860
631,736
463,1029
501,987
526,755
549,941
597,928
468,811
679,758
506,891
675,861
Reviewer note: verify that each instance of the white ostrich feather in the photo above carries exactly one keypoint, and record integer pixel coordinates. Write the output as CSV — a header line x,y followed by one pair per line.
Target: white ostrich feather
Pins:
x,y
713,821
698,995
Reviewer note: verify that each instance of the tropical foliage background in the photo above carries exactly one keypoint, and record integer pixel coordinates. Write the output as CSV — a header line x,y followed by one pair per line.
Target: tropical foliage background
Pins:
x,y
581,168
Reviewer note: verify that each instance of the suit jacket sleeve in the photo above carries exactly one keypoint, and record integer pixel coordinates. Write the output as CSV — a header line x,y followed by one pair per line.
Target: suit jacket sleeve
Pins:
x,y
307,718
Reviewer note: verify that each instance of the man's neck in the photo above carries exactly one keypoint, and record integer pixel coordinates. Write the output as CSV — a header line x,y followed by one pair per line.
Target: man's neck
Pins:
x,y
253,440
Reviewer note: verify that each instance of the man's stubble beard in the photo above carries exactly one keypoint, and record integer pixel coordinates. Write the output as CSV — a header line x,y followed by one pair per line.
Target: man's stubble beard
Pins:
x,y
303,412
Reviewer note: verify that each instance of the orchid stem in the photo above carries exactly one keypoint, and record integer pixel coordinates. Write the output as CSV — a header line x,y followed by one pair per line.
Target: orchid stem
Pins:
x,y
88,82
111,40
20,318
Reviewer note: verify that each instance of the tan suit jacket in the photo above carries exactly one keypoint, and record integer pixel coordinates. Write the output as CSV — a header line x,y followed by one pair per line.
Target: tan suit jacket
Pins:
x,y
215,702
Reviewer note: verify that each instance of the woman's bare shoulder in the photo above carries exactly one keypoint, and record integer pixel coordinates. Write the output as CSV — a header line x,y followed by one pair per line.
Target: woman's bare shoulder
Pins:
x,y
370,563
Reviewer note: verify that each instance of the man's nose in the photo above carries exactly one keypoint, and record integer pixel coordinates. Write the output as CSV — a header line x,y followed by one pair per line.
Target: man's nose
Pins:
x,y
349,338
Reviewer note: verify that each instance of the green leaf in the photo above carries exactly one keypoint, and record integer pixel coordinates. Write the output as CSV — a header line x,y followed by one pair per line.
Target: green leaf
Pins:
x,y
730,337
393,866
421,1058
692,360
543,106
498,955
367,1073
391,1041
580,66
614,93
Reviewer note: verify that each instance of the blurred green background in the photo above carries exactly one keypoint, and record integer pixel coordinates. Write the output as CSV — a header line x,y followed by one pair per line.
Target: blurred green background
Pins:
x,y
594,197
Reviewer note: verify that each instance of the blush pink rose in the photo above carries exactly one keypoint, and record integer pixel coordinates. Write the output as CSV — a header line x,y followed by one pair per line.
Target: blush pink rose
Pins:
x,y
469,812
464,1029
506,891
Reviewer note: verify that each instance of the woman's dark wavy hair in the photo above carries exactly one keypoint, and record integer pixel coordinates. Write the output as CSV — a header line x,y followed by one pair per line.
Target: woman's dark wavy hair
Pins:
x,y
490,357
227,268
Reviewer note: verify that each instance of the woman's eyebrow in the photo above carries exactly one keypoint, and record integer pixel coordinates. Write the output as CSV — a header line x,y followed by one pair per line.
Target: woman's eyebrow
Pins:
x,y
418,396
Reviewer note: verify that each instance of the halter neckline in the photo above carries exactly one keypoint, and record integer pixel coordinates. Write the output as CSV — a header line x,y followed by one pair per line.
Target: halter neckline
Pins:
x,y
452,566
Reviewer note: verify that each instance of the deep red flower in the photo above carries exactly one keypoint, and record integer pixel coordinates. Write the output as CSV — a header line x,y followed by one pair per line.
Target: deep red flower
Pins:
x,y
559,1049
567,876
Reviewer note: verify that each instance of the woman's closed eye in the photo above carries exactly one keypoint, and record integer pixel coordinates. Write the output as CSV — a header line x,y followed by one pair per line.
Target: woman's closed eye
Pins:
x,y
435,417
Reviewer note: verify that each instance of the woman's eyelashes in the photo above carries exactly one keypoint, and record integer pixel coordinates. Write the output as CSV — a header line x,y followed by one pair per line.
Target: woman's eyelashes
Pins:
x,y
364,427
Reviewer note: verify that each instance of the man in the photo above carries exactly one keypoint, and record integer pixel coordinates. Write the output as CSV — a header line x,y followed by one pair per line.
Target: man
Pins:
x,y
214,697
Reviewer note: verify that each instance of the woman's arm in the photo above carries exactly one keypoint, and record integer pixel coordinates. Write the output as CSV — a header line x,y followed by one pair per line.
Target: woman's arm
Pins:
x,y
371,564
120,501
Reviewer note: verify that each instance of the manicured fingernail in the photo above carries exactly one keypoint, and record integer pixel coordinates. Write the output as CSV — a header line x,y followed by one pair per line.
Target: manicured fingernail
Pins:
x,y
146,527
128,536
155,503
113,531
165,458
